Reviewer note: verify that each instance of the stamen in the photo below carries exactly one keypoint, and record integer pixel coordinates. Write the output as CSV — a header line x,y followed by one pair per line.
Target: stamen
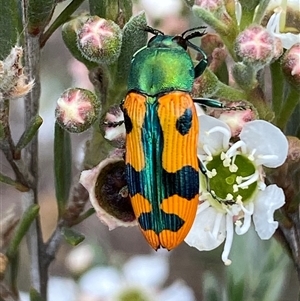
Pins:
x,y
212,173
228,241
224,131
251,156
239,198
261,185
206,148
233,149
253,178
240,230
229,197
233,168
226,159
239,179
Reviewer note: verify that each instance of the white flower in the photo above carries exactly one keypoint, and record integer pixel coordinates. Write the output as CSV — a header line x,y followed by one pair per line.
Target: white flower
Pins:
x,y
59,289
159,9
277,23
80,258
236,189
141,276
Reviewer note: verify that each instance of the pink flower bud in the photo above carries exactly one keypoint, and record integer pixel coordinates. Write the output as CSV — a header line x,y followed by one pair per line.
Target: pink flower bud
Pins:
x,y
291,65
255,46
237,117
77,109
210,5
99,40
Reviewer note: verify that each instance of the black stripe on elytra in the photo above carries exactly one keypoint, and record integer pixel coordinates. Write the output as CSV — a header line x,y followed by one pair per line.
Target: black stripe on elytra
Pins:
x,y
170,222
127,121
184,122
153,182
184,183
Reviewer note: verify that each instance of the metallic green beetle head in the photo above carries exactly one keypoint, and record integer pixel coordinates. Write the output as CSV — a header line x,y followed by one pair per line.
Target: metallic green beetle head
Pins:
x,y
164,65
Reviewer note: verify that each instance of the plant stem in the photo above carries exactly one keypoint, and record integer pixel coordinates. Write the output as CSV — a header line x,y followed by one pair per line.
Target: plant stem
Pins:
x,y
61,19
287,109
38,272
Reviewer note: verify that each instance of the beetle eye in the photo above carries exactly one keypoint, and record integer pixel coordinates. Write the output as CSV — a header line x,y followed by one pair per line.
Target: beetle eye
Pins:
x,y
152,39
180,41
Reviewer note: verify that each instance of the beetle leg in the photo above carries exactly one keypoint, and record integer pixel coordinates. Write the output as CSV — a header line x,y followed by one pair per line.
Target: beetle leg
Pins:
x,y
204,172
214,103
113,124
209,102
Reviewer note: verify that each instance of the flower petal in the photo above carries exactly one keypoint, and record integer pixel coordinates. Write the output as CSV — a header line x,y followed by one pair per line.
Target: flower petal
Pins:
x,y
147,270
269,142
177,291
288,39
215,140
266,203
102,282
201,235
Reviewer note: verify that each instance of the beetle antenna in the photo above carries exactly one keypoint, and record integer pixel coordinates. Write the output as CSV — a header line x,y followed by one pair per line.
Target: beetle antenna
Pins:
x,y
192,29
154,31
195,34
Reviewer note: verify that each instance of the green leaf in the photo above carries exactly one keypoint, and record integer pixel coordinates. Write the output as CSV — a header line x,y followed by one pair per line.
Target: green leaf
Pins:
x,y
27,218
107,9
39,14
64,16
29,133
84,216
10,181
62,166
35,295
9,19
134,38
71,236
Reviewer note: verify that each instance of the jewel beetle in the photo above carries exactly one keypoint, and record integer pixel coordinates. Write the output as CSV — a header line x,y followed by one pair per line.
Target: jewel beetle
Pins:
x,y
162,167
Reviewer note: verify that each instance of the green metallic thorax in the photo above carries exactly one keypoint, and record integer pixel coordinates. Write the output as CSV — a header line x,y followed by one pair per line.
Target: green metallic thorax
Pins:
x,y
160,67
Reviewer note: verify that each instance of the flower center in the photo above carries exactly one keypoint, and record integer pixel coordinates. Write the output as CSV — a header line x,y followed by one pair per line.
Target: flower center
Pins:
x,y
232,179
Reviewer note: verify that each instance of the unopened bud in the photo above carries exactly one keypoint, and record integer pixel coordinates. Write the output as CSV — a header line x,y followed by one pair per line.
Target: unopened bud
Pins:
x,y
210,5
255,46
77,109
99,40
236,117
291,65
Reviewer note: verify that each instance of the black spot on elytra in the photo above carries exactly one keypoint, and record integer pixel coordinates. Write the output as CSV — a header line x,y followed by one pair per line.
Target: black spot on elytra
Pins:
x,y
184,122
128,122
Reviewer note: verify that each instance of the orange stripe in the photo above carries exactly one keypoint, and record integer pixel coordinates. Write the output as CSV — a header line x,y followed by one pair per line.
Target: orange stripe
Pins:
x,y
135,106
140,205
179,150
186,210
152,238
